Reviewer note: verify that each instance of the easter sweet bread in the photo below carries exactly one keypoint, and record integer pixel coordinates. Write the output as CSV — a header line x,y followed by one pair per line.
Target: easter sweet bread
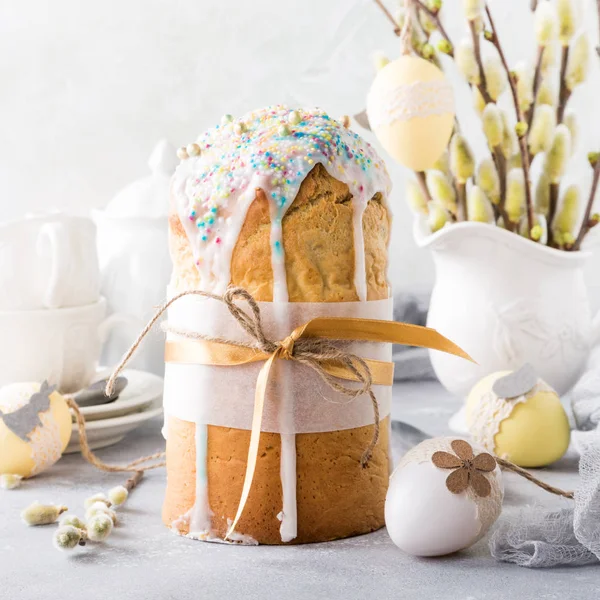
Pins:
x,y
290,205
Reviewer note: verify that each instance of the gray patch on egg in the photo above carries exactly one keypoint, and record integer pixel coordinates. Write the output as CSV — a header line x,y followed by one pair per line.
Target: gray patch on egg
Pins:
x,y
516,383
25,420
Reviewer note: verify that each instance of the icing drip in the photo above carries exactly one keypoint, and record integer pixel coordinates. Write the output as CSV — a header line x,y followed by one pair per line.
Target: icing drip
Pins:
x,y
280,291
288,515
360,273
272,149
200,513
287,460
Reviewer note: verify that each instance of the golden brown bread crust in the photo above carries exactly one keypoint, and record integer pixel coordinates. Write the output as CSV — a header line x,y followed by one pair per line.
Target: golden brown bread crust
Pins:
x,y
335,497
317,241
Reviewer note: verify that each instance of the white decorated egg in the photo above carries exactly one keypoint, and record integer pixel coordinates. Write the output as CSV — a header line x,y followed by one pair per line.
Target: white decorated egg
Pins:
x,y
443,497
410,107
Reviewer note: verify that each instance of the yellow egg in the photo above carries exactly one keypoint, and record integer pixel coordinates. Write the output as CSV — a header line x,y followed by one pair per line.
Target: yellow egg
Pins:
x,y
531,430
411,111
48,434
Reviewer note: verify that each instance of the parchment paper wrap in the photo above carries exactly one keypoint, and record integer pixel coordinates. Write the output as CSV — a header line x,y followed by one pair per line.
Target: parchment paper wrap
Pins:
x,y
297,400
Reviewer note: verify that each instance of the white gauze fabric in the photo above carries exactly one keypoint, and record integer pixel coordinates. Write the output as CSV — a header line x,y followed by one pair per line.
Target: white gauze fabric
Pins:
x,y
570,536
297,400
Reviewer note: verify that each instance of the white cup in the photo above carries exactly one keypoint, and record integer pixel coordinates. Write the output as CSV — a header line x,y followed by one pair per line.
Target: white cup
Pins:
x,y
61,345
48,261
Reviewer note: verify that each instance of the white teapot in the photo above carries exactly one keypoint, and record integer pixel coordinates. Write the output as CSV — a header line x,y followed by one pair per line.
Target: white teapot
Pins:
x,y
134,258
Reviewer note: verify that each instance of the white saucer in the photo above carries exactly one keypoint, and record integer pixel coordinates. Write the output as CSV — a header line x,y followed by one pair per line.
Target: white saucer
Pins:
x,y
142,390
105,432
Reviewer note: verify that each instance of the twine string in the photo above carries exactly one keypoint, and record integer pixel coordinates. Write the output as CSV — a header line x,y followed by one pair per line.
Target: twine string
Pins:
x,y
136,465
312,352
506,464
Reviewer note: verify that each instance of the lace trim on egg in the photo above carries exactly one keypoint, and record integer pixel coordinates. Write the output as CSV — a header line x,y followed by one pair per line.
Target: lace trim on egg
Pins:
x,y
485,419
410,101
45,443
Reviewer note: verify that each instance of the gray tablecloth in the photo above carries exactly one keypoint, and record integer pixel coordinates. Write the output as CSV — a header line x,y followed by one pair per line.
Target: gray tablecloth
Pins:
x,y
144,561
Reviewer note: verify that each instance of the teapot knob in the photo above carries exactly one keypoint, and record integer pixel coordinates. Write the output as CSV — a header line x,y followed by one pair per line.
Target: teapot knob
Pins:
x,y
163,159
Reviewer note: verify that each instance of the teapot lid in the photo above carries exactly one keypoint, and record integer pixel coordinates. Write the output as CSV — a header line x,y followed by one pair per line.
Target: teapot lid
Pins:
x,y
147,196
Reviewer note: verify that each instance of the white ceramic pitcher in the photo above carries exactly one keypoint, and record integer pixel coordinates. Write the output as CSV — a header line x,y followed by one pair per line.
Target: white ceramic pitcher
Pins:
x,y
506,301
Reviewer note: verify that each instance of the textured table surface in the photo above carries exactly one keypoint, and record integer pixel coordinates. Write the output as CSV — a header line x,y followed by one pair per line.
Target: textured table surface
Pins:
x,y
143,560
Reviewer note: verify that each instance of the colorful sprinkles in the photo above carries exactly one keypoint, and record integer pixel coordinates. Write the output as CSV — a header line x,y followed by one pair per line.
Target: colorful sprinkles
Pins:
x,y
273,149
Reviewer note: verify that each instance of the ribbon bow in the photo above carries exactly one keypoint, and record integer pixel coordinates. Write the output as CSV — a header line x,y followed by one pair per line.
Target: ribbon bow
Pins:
x,y
310,344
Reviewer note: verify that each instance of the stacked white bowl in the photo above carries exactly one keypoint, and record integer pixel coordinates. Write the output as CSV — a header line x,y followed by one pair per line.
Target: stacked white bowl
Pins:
x,y
52,317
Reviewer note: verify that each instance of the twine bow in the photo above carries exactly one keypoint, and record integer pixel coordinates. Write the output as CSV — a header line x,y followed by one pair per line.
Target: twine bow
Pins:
x,y
310,345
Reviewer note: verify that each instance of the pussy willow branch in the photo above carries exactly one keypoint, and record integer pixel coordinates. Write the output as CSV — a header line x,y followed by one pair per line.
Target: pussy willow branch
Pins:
x,y
585,224
497,155
482,85
435,16
500,162
564,93
525,159
461,213
552,211
423,185
389,16
536,83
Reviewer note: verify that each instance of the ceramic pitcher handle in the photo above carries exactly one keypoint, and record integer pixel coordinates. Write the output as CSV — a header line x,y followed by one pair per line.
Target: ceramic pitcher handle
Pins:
x,y
55,236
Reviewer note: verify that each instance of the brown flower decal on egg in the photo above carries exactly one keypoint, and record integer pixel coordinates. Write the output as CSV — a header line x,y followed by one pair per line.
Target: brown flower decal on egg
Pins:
x,y
467,469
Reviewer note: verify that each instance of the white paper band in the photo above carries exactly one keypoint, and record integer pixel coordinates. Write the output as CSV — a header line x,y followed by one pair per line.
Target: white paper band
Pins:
x,y
297,400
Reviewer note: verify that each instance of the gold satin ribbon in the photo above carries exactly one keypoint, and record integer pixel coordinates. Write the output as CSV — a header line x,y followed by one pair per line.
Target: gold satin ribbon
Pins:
x,y
188,351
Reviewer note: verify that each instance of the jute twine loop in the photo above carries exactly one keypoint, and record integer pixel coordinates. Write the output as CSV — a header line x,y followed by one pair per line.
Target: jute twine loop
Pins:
x,y
312,352
138,465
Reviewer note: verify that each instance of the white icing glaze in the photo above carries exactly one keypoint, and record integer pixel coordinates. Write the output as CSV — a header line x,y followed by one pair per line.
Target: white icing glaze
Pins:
x,y
287,461
272,149
360,272
201,513
287,469
236,538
